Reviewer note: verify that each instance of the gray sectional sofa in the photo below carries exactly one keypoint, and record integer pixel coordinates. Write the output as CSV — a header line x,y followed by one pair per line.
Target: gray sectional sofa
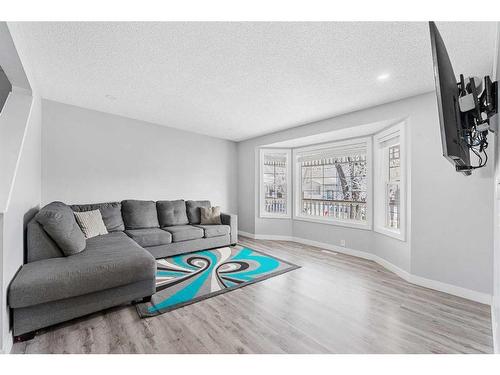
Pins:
x,y
59,282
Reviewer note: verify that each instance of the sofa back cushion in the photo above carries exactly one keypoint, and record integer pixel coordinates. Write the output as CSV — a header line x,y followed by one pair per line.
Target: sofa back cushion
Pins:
x,y
172,213
39,245
58,220
139,214
193,210
111,213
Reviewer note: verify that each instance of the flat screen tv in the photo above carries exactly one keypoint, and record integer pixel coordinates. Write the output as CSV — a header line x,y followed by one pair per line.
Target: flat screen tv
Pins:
x,y
452,121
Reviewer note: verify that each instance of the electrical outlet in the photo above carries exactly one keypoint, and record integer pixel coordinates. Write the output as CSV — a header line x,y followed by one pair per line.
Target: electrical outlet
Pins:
x,y
342,243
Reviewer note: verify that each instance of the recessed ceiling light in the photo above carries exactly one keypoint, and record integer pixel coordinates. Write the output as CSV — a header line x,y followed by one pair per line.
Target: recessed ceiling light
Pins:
x,y
383,77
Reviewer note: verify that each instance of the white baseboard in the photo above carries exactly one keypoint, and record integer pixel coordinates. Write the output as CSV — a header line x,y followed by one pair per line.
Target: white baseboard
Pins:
x,y
451,289
7,344
405,275
246,234
495,309
266,236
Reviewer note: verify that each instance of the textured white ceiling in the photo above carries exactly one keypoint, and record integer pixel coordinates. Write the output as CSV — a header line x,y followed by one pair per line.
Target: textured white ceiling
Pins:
x,y
240,80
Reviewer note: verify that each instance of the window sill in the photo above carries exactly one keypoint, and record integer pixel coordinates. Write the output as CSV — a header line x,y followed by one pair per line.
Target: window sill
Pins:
x,y
275,216
340,223
390,233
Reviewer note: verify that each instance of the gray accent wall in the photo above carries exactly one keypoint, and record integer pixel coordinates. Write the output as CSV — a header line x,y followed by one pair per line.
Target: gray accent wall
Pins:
x,y
90,156
449,230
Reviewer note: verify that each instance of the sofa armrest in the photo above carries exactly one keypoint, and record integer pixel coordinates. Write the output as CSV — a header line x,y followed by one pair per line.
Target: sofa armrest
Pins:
x,y
232,221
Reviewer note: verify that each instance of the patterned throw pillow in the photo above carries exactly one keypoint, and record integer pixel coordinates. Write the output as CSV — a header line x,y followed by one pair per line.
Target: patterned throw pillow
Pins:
x,y
210,215
91,223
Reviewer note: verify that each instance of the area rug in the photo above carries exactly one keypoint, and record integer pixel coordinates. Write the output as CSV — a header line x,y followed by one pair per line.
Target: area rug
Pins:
x,y
188,278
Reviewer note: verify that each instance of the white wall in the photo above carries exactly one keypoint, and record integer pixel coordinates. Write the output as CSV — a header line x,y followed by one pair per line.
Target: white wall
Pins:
x,y
20,170
90,156
452,214
442,248
24,201
13,120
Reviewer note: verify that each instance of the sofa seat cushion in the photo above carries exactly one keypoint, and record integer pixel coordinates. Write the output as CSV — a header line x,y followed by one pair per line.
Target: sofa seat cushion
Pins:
x,y
108,261
215,230
111,213
184,232
139,214
149,236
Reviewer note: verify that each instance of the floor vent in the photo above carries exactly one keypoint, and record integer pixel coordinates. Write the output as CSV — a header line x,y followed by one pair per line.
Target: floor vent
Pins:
x,y
329,252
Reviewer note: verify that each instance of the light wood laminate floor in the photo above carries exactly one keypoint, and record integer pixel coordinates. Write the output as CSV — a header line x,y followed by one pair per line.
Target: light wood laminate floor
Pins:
x,y
334,304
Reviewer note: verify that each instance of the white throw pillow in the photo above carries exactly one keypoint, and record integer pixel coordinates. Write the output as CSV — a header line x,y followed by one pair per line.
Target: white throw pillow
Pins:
x,y
91,223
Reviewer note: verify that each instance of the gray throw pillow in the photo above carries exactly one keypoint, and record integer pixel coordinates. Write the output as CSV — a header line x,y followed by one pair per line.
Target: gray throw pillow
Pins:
x,y
91,223
172,213
193,210
58,220
139,214
210,215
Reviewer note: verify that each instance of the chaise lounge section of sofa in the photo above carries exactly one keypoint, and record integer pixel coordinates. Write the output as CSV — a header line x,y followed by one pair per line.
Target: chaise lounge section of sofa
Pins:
x,y
112,269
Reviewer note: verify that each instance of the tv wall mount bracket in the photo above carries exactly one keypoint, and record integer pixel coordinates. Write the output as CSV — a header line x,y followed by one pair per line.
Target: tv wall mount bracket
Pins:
x,y
478,105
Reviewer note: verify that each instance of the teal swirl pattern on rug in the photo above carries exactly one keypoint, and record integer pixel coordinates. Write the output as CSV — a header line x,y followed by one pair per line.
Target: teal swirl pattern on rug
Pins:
x,y
188,278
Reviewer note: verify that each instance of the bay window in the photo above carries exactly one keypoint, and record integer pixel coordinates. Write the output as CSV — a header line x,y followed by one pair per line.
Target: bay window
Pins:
x,y
358,183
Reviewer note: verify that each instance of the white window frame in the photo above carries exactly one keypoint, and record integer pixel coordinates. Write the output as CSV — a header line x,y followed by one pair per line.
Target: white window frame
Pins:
x,y
288,156
298,152
380,173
